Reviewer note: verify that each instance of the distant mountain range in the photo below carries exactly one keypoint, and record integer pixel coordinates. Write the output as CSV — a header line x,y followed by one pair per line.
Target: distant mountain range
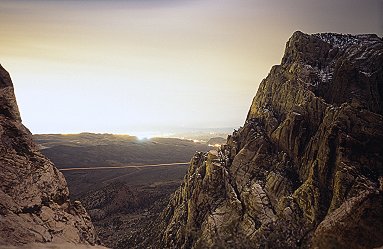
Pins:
x,y
89,149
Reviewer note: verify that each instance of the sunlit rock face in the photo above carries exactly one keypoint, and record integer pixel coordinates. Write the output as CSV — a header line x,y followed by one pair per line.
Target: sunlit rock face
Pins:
x,y
305,170
34,202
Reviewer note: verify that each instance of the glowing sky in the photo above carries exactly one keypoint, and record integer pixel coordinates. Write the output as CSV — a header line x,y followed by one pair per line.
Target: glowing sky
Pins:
x,y
155,65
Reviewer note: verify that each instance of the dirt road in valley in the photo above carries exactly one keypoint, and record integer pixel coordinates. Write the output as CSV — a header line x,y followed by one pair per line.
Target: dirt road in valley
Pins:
x,y
125,166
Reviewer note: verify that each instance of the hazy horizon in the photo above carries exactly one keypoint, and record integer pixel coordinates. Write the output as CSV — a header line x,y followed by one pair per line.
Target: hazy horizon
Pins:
x,y
129,67
182,133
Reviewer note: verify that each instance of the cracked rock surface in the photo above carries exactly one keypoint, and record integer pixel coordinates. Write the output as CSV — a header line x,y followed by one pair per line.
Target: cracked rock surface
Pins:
x,y
34,197
305,170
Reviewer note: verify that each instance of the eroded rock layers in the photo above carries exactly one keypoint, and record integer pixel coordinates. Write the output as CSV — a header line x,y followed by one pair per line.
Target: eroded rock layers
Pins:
x,y
305,170
34,202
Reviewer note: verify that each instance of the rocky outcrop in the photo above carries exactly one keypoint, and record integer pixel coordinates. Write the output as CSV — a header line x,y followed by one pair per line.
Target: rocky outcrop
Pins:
x,y
306,169
34,202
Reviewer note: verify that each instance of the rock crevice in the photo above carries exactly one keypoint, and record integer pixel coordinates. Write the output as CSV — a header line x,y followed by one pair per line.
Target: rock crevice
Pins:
x,y
305,170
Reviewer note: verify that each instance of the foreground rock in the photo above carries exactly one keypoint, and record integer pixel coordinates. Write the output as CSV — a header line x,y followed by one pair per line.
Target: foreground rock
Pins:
x,y
305,170
53,246
34,203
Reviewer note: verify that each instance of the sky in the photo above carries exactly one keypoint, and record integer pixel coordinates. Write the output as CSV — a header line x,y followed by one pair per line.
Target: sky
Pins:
x,y
155,66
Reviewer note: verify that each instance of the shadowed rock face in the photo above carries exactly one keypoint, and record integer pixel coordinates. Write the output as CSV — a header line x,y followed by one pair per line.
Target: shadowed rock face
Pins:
x,y
34,203
305,170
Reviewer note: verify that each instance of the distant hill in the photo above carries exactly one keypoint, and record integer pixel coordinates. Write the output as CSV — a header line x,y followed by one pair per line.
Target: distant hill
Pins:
x,y
203,135
215,141
100,150
121,202
89,149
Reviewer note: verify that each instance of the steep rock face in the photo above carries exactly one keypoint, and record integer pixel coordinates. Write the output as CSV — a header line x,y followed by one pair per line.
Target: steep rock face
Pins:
x,y
34,202
305,170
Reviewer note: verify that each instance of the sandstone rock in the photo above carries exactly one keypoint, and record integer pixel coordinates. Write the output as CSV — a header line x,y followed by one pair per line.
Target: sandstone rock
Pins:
x,y
306,169
34,197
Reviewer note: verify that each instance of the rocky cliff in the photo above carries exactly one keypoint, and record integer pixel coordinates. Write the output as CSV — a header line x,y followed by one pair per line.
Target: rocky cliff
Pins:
x,y
34,202
305,170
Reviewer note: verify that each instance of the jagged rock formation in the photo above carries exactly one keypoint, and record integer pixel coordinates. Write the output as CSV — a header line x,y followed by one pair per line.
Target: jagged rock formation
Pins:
x,y
305,170
34,202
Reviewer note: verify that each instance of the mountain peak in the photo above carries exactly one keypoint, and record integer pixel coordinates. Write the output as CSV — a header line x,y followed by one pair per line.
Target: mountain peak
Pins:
x,y
305,169
346,40
8,104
